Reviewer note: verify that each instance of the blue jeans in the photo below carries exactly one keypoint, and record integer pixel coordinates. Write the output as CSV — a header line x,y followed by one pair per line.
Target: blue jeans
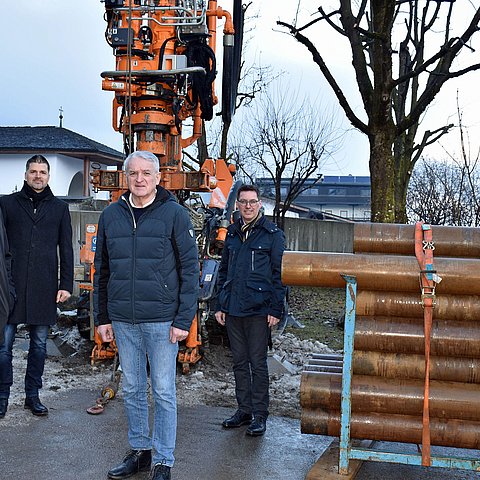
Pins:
x,y
135,343
37,352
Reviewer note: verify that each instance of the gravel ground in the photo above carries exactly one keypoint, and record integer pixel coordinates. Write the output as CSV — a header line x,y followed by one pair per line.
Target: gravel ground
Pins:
x,y
211,381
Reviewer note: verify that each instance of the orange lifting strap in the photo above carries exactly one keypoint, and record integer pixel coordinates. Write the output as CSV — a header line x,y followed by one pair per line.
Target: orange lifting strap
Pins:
x,y
424,247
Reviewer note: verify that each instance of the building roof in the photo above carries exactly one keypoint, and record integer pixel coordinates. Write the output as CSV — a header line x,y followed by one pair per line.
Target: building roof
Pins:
x,y
346,179
56,140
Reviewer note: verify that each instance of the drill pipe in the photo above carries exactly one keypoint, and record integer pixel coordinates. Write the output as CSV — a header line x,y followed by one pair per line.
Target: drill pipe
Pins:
x,y
460,276
314,362
398,365
323,391
463,307
400,239
450,338
393,428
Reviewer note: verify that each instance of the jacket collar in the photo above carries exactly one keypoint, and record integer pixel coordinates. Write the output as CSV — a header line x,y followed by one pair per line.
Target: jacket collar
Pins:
x,y
161,197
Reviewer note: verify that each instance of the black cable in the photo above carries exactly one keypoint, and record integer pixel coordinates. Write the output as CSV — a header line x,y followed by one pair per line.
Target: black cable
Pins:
x,y
200,54
162,51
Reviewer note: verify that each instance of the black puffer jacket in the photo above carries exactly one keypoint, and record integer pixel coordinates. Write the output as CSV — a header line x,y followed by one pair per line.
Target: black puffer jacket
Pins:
x,y
249,277
146,272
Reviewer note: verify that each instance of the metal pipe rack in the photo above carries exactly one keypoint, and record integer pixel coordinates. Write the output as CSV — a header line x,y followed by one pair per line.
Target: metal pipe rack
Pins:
x,y
347,451
406,376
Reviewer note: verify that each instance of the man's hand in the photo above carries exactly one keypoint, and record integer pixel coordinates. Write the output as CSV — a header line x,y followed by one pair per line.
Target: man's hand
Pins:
x,y
106,332
272,321
63,296
220,317
177,335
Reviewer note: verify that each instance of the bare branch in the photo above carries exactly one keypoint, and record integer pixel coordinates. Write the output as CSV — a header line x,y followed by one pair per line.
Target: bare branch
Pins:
x,y
317,58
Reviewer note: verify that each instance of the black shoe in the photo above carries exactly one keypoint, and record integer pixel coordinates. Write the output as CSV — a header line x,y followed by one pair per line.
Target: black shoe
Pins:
x,y
257,427
35,406
3,406
237,420
135,461
160,472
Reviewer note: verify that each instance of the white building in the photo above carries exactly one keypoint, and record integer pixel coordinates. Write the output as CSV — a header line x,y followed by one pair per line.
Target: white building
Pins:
x,y
71,156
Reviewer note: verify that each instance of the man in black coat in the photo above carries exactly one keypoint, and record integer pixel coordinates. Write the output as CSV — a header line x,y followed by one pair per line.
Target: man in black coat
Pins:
x,y
250,302
39,232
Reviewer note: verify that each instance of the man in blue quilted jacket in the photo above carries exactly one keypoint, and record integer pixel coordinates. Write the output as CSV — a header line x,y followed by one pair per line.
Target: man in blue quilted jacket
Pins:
x,y
250,302
145,297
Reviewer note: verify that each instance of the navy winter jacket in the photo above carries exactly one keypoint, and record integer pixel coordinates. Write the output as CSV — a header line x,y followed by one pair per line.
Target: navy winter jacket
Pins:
x,y
249,276
146,271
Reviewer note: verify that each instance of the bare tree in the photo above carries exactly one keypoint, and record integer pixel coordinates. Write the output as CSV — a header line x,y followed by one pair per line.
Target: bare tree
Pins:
x,y
284,138
448,192
444,193
249,79
425,58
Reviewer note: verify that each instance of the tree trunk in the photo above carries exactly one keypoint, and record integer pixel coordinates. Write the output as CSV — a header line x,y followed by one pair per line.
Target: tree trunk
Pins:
x,y
382,176
402,179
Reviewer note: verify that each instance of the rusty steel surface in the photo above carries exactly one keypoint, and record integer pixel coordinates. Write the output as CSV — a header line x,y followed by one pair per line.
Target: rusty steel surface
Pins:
x,y
460,276
403,304
393,396
398,365
399,239
450,338
393,428
401,365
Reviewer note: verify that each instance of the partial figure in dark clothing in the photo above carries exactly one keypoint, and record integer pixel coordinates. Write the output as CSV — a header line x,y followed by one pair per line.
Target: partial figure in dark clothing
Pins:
x,y
7,289
39,233
145,296
250,302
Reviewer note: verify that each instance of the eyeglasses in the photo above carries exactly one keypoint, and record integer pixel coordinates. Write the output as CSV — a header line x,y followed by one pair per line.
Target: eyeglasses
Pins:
x,y
251,203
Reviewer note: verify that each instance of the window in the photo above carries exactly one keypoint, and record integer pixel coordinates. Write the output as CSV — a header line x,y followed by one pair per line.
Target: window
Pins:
x,y
344,213
364,192
337,191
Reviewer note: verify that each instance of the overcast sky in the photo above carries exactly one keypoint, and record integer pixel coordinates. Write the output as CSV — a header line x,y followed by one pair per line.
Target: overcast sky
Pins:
x,y
53,52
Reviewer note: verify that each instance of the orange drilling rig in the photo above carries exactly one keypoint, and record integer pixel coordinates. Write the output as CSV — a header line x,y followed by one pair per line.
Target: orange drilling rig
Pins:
x,y
165,67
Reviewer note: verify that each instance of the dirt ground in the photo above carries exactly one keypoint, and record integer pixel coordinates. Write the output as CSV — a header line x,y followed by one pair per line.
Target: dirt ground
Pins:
x,y
210,381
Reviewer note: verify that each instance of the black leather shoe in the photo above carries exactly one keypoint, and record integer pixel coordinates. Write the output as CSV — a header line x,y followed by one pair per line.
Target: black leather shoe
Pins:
x,y
160,472
135,461
35,406
237,420
3,407
257,427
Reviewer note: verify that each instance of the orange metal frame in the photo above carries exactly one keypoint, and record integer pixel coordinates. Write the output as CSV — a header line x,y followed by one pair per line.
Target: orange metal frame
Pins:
x,y
155,104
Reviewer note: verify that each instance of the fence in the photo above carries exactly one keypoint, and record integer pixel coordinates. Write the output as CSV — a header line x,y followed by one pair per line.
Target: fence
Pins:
x,y
301,235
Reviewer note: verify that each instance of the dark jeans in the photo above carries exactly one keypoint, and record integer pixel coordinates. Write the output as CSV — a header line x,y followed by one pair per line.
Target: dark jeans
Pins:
x,y
37,353
248,337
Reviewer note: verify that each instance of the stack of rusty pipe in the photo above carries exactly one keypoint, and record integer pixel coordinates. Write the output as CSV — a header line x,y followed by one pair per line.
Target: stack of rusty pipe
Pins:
x,y
388,361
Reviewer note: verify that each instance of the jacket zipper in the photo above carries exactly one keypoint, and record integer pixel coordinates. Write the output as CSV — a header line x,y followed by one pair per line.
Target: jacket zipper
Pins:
x,y
134,258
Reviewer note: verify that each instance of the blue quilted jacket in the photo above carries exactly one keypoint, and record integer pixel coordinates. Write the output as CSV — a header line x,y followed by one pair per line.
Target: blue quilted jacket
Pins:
x,y
146,271
249,277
